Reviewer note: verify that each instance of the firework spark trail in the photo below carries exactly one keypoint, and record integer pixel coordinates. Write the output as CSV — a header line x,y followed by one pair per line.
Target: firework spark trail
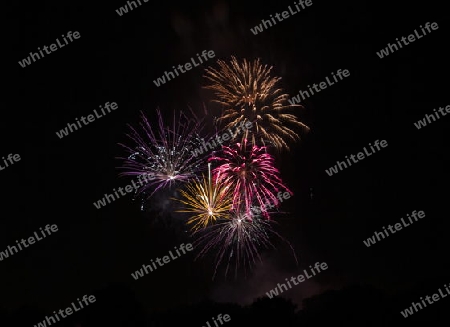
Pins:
x,y
207,200
251,173
234,237
165,155
237,238
249,93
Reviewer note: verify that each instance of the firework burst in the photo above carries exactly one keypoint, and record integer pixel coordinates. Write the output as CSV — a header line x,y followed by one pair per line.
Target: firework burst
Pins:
x,y
165,156
251,173
237,240
206,200
249,93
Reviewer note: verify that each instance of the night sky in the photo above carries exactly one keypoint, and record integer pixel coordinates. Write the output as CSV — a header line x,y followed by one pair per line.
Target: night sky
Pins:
x,y
116,60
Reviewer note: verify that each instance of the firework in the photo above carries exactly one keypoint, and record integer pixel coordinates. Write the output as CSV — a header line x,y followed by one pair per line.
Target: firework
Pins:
x,y
207,200
237,240
250,172
249,93
166,156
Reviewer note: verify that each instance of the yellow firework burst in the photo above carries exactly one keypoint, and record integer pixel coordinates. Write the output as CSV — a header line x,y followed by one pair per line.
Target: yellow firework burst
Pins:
x,y
249,93
206,200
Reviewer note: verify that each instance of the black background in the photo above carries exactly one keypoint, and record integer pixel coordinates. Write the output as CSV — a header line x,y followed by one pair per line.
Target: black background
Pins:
x,y
116,60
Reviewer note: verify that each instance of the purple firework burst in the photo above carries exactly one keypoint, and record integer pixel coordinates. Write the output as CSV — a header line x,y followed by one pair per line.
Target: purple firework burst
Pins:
x,y
164,156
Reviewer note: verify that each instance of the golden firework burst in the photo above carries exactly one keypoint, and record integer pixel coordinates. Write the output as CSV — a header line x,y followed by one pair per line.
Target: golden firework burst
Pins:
x,y
249,93
206,200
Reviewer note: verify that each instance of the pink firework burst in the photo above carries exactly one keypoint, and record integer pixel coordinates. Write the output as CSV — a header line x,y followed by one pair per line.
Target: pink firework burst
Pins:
x,y
251,173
